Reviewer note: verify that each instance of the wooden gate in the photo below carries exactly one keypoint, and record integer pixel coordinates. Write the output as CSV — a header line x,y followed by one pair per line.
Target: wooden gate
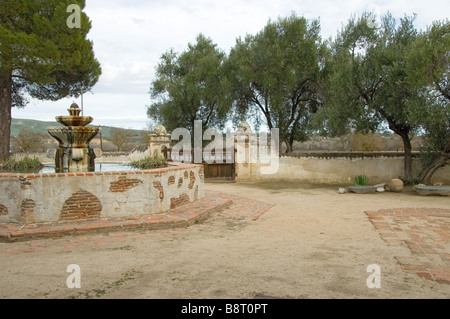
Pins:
x,y
219,169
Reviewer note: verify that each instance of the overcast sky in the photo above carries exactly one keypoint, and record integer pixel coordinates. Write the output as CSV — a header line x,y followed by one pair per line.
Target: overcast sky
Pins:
x,y
131,35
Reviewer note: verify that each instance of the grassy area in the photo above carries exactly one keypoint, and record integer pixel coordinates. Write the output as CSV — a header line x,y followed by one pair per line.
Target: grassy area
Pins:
x,y
26,165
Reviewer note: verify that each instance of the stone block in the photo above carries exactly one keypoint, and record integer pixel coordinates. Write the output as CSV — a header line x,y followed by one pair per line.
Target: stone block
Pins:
x,y
362,189
433,190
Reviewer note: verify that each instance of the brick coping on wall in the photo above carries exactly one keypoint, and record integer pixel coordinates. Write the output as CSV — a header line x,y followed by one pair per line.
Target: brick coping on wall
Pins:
x,y
350,154
154,171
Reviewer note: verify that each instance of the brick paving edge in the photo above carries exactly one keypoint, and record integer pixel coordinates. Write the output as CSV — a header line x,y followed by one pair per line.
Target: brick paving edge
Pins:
x,y
173,220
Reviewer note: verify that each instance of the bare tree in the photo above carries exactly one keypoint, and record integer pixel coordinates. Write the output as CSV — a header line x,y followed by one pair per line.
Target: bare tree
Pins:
x,y
120,137
29,141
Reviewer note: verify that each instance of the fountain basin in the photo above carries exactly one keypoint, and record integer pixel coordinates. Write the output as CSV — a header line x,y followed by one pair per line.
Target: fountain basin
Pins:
x,y
34,198
74,120
73,136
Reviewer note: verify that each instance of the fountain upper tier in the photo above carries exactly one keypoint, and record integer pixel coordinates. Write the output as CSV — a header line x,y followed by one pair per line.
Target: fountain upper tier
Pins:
x,y
74,133
74,118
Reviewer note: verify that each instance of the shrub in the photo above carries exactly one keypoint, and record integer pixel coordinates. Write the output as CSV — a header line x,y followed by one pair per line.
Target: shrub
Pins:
x,y
26,165
410,181
155,161
361,180
368,142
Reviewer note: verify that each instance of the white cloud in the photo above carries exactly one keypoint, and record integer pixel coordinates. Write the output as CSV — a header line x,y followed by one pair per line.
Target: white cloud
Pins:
x,y
130,36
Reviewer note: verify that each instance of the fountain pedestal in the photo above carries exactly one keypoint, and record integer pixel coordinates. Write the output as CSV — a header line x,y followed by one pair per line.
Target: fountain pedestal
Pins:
x,y
74,153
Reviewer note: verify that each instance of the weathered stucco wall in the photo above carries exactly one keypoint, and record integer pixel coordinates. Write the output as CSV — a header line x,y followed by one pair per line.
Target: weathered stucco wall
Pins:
x,y
29,198
336,170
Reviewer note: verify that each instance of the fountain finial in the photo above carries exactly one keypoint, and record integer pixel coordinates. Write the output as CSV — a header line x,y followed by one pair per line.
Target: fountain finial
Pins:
x,y
74,110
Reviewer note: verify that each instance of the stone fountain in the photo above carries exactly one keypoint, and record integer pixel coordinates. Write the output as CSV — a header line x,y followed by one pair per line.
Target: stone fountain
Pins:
x,y
74,153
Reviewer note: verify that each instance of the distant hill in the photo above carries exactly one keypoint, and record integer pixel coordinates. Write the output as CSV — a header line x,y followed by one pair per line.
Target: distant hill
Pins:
x,y
41,126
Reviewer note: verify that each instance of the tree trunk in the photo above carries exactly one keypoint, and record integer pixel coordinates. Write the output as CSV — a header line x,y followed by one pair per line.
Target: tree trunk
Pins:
x,y
286,141
403,133
437,163
5,114
408,155
289,147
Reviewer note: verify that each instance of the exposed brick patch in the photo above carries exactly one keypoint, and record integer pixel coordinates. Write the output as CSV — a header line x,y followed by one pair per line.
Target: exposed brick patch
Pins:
x,y
24,182
425,232
27,211
81,205
201,172
124,184
159,187
191,180
171,180
242,210
186,174
180,182
181,200
3,210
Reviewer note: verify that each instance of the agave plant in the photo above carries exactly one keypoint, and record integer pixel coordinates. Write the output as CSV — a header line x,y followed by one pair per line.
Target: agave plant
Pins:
x,y
361,180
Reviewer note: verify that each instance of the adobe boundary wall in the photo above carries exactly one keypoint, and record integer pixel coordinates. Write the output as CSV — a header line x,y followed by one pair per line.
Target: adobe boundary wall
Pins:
x,y
337,168
31,198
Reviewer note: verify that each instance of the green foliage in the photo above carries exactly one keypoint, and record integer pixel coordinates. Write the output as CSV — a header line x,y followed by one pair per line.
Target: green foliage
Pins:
x,y
428,65
41,57
361,180
191,86
44,57
368,85
26,165
155,161
276,75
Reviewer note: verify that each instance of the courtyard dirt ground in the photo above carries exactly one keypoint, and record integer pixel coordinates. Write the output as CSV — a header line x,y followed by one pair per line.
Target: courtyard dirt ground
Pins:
x,y
284,240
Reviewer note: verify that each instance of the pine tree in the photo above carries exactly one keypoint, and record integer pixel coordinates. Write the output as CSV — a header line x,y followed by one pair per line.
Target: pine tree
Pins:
x,y
43,55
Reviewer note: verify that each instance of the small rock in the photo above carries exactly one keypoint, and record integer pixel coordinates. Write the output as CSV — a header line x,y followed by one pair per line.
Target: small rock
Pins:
x,y
395,185
380,189
437,184
342,190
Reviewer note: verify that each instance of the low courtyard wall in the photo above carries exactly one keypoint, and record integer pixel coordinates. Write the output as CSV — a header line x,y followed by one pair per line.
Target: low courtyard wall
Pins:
x,y
30,198
337,168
